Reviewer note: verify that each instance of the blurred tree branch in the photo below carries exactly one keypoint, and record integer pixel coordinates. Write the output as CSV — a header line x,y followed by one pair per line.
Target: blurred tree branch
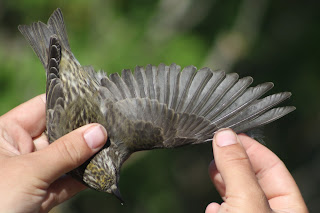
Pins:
x,y
176,16
232,45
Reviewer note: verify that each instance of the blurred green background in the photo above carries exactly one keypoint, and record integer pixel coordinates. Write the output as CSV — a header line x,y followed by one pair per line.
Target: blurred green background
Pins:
x,y
270,40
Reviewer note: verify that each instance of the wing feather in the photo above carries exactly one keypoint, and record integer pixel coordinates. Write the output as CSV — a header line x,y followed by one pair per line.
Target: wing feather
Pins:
x,y
250,95
256,109
174,85
169,107
218,93
186,78
131,83
150,77
198,83
141,78
162,78
112,87
230,97
215,80
121,85
264,119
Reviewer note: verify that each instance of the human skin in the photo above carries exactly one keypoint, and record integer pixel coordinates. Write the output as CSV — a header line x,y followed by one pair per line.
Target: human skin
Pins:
x,y
251,178
32,171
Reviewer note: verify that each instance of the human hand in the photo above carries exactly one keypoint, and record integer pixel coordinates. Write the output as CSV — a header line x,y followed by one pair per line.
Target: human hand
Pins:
x,y
250,178
31,170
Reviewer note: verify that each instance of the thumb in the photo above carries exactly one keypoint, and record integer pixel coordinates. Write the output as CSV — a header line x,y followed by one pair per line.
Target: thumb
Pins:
x,y
68,152
241,186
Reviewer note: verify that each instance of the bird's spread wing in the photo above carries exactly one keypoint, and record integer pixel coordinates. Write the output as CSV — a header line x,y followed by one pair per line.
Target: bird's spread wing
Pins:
x,y
165,107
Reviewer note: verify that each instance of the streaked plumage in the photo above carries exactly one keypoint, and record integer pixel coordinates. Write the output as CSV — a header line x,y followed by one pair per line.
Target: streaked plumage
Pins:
x,y
153,107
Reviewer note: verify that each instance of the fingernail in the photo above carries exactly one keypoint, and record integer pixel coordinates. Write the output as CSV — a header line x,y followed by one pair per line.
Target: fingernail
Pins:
x,y
225,137
95,136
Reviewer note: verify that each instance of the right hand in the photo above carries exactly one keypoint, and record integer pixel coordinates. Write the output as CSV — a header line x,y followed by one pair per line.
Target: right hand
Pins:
x,y
250,178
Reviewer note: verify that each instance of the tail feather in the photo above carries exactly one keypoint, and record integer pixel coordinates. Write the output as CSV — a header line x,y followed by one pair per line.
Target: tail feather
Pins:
x,y
57,26
38,35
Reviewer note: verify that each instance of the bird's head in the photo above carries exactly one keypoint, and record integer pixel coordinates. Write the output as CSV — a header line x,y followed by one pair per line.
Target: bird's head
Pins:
x,y
102,173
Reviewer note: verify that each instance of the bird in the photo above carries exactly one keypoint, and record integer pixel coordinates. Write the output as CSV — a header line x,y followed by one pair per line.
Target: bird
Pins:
x,y
150,108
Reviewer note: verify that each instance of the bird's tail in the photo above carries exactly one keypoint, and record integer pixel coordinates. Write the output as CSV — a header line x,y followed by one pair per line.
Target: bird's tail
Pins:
x,y
39,34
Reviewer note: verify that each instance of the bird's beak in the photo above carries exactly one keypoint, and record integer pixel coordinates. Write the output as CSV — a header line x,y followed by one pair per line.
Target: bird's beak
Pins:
x,y
116,193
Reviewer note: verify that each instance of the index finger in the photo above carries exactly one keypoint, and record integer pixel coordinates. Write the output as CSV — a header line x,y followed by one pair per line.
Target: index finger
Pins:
x,y
267,166
271,173
31,115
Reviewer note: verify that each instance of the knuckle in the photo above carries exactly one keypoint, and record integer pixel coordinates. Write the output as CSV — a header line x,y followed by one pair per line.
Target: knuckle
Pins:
x,y
235,154
236,157
238,160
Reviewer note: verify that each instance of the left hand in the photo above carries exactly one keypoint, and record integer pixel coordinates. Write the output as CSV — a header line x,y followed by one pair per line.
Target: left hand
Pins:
x,y
31,171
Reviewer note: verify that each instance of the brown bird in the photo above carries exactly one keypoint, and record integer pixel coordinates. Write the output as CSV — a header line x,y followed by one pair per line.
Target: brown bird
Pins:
x,y
154,107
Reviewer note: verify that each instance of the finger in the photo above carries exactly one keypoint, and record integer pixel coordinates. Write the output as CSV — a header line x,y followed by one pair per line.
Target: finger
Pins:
x,y
40,142
29,115
273,176
67,153
61,190
14,135
236,171
216,179
269,168
212,208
